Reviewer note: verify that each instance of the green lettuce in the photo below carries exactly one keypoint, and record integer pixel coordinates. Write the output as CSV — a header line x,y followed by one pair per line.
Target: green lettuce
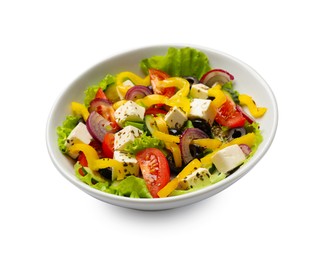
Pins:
x,y
229,88
179,62
90,92
131,186
142,142
64,130
254,128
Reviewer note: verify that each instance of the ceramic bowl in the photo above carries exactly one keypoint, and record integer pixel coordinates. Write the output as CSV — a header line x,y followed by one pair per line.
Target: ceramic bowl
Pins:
x,y
247,80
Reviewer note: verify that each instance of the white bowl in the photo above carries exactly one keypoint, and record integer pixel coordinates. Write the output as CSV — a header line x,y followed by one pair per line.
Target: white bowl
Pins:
x,y
246,81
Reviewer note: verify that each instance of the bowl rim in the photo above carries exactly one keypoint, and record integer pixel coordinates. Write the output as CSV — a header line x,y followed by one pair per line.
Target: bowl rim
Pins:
x,y
117,200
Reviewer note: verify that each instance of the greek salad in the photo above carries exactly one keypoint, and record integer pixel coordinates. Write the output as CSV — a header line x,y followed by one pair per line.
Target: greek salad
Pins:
x,y
179,128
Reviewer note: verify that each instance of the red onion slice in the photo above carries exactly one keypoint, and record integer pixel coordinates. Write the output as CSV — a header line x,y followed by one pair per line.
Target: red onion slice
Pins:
x,y
245,148
96,102
137,92
186,138
249,118
97,126
216,75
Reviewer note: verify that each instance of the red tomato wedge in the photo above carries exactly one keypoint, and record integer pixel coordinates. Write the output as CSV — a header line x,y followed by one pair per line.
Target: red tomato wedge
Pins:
x,y
82,160
155,169
228,115
108,145
155,77
100,94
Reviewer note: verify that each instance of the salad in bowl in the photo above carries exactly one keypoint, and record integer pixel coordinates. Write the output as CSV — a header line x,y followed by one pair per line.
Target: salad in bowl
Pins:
x,y
177,126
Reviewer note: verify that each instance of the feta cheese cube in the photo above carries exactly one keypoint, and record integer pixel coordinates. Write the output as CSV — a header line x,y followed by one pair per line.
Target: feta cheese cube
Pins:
x,y
228,158
131,166
130,111
202,108
175,118
79,134
199,91
197,179
126,136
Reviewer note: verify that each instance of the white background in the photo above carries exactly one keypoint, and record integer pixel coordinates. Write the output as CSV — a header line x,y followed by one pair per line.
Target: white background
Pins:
x,y
274,212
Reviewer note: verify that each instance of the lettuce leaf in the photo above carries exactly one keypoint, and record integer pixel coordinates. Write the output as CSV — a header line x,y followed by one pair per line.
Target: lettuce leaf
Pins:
x,y
132,187
64,130
229,88
90,92
143,142
179,62
254,128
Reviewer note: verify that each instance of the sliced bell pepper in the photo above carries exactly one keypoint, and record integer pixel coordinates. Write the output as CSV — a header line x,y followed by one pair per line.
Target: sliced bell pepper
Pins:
x,y
161,124
107,162
166,137
117,104
89,152
135,79
151,100
80,109
218,94
172,185
252,107
207,143
176,152
182,84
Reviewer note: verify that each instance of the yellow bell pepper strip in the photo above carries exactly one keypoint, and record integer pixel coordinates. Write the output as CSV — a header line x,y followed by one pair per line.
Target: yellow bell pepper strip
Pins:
x,y
218,94
135,79
151,100
182,84
119,103
252,107
178,101
161,124
89,152
121,88
166,137
207,143
248,139
176,152
117,166
155,131
80,109
173,184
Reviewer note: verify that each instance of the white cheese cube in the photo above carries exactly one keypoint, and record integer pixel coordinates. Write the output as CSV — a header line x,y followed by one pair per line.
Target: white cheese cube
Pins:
x,y
130,111
228,158
175,118
197,179
128,83
131,166
199,91
202,108
79,134
126,136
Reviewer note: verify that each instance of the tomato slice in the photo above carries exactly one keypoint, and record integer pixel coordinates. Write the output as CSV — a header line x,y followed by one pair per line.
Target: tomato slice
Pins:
x,y
107,112
155,77
228,115
155,169
100,94
108,145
